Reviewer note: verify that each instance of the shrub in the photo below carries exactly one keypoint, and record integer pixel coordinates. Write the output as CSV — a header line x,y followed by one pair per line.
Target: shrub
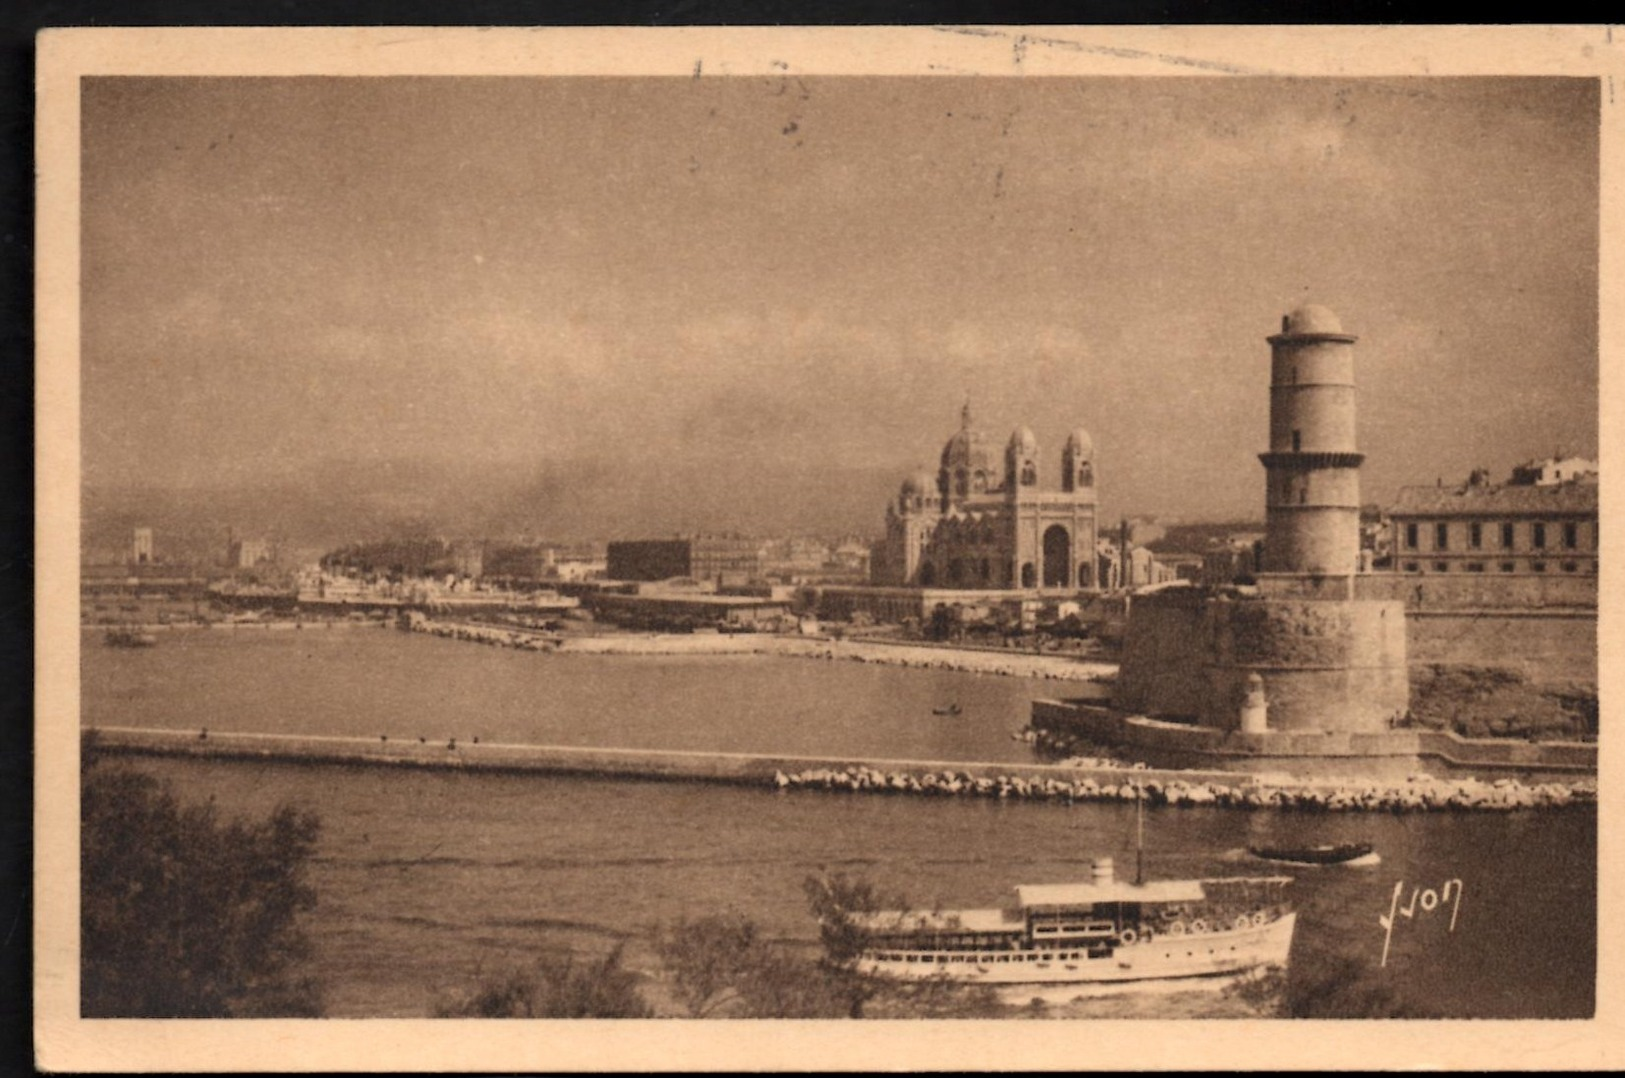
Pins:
x,y
559,987
722,968
833,900
184,915
1327,987
707,958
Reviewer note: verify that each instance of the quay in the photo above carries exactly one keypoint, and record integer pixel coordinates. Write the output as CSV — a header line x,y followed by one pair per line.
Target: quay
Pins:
x,y
1064,782
749,769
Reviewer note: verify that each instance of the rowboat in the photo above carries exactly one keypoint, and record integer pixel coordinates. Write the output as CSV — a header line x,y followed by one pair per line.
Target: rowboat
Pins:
x,y
1325,854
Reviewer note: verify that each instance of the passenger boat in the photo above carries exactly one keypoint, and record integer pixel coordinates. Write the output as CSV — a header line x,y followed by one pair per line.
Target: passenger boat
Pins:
x,y
130,638
1100,932
951,709
1326,854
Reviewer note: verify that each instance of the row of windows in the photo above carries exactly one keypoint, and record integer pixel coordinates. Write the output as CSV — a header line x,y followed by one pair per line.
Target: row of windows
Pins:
x,y
1505,567
1043,959
1475,535
1023,956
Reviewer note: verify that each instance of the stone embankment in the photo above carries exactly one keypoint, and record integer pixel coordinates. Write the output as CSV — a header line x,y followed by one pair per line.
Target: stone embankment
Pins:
x,y
1046,667
1418,794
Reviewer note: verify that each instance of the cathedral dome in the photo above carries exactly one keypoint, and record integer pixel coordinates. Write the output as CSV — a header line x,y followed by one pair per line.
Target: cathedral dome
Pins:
x,y
919,483
1311,318
967,450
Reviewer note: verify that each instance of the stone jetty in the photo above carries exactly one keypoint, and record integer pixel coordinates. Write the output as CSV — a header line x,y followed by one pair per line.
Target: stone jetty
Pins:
x,y
1419,793
1051,783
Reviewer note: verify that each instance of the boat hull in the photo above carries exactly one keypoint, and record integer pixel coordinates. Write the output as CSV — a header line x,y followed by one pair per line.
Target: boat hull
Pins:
x,y
1313,855
1193,955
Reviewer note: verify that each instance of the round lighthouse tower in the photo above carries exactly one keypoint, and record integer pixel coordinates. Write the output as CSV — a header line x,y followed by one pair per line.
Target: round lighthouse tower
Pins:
x,y
1312,500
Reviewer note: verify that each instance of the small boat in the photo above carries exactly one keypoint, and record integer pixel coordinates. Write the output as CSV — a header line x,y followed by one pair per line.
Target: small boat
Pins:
x,y
130,638
1098,932
951,709
1326,854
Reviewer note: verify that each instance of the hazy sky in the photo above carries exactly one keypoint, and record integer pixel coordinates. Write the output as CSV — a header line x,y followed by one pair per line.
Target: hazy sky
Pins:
x,y
623,306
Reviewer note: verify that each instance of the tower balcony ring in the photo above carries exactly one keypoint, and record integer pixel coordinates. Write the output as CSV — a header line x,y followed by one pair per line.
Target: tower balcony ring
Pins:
x,y
1305,461
1311,338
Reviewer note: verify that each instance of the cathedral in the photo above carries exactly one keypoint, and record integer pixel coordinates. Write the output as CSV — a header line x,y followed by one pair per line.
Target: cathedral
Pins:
x,y
983,524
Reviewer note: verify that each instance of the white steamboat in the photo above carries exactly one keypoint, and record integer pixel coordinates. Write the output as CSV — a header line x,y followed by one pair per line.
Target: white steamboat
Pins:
x,y
1100,932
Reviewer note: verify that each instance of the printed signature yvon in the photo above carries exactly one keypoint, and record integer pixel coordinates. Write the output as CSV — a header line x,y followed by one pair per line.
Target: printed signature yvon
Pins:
x,y
1429,900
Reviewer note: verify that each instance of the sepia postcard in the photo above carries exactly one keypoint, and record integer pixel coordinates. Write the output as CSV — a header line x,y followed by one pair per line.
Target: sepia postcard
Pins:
x,y
929,548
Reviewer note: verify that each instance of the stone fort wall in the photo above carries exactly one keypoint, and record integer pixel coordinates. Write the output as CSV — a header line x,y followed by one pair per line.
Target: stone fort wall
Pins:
x,y
1544,626
1327,665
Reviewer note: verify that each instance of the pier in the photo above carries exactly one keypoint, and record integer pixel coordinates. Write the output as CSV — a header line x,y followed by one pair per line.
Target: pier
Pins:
x,y
1053,782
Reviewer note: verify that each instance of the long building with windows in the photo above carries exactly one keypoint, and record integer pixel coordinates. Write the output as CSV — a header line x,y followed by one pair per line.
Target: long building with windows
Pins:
x,y
710,558
982,524
1478,527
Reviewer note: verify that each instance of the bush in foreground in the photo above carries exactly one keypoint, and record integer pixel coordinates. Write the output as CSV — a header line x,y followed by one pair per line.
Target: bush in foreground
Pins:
x,y
1326,988
185,915
721,967
559,987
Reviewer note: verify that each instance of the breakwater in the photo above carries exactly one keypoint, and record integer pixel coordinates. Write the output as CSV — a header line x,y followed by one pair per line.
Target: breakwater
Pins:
x,y
1419,793
1042,782
918,656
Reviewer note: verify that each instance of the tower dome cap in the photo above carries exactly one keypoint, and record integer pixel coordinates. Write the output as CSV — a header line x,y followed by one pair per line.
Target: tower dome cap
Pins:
x,y
1080,442
1312,318
1023,438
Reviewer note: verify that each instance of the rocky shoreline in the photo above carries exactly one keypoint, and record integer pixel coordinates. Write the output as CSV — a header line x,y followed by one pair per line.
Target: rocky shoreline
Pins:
x,y
1419,793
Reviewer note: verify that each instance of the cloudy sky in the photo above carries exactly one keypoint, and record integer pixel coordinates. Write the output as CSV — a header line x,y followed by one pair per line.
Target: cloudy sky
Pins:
x,y
594,307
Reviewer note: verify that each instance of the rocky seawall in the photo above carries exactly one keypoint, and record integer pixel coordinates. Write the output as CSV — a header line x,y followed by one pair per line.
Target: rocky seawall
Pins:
x,y
1419,793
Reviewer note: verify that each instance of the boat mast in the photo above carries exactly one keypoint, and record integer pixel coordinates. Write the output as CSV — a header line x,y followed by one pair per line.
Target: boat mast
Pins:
x,y
1139,834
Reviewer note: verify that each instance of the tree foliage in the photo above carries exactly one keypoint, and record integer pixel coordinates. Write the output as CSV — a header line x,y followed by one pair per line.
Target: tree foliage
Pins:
x,y
1327,987
563,986
833,900
186,915
721,967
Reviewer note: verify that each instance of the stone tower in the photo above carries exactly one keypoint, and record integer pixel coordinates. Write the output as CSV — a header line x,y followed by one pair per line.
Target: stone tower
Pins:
x,y
1312,496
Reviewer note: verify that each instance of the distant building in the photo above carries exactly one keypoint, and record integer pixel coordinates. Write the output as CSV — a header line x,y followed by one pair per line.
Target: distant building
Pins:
x,y
671,608
1553,470
141,549
577,568
247,553
980,526
516,561
712,558
468,559
1530,525
648,559
851,555
1230,563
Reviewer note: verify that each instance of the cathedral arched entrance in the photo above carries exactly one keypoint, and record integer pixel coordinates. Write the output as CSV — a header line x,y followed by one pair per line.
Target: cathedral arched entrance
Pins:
x,y
1057,557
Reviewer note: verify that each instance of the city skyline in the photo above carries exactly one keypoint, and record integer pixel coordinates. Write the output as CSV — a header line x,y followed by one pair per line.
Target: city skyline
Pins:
x,y
588,307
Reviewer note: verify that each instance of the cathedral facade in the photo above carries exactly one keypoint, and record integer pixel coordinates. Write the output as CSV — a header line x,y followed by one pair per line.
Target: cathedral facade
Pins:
x,y
986,523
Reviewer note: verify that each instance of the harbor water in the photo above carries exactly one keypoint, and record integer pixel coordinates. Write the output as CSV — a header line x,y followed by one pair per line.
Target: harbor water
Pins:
x,y
428,879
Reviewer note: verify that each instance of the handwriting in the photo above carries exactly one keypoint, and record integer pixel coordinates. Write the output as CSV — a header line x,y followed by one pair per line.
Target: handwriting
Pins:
x,y
1429,900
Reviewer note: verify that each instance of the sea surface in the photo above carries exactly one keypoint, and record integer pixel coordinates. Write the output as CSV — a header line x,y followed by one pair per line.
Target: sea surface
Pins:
x,y
428,880
369,682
